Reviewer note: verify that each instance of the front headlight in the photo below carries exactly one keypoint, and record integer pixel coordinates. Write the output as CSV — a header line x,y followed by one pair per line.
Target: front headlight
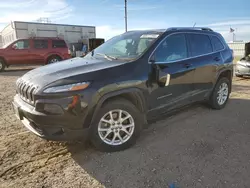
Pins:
x,y
69,87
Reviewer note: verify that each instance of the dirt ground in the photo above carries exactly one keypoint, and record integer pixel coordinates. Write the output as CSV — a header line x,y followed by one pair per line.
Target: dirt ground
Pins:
x,y
197,147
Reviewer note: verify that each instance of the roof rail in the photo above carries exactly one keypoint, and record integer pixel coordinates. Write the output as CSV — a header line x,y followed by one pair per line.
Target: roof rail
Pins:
x,y
190,28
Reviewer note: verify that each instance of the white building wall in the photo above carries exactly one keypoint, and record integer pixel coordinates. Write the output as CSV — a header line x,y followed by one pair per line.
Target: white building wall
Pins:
x,y
70,33
8,34
1,40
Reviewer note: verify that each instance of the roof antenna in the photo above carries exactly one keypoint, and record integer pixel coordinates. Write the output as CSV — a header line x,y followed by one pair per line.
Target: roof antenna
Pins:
x,y
194,24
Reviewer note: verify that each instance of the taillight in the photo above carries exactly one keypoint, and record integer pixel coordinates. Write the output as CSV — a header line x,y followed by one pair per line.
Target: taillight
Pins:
x,y
69,52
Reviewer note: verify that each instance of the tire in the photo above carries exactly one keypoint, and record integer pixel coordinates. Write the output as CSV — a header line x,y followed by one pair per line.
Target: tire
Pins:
x,y
214,102
127,109
53,59
2,65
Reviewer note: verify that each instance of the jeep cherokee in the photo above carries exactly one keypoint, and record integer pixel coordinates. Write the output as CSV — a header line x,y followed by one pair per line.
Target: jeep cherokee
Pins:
x,y
111,93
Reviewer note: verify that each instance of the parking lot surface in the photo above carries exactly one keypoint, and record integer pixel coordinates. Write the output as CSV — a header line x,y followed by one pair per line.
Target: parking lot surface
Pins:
x,y
196,147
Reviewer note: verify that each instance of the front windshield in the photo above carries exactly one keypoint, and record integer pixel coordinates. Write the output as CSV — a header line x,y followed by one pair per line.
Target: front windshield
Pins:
x,y
125,46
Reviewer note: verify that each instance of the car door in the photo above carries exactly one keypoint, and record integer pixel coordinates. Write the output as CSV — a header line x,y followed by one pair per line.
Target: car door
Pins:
x,y
175,74
20,52
205,61
39,51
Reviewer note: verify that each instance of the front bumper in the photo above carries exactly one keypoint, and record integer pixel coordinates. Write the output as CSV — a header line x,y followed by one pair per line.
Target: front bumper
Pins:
x,y
63,127
242,69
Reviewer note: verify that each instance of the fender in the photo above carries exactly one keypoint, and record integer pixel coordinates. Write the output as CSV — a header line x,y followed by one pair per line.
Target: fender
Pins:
x,y
136,91
219,72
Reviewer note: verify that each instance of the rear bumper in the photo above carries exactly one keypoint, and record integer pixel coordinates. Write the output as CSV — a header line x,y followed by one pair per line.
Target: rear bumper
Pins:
x,y
49,127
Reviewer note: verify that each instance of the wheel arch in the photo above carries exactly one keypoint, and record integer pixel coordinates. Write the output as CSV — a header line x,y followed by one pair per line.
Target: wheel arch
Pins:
x,y
228,73
134,95
52,55
5,62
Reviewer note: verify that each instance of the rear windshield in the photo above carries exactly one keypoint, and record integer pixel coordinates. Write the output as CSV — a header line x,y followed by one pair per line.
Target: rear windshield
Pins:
x,y
58,44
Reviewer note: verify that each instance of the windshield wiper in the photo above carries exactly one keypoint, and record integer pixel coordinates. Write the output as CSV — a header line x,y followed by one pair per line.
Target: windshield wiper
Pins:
x,y
107,56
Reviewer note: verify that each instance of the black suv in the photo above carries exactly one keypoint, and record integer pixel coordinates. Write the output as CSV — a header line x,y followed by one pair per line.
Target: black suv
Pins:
x,y
111,93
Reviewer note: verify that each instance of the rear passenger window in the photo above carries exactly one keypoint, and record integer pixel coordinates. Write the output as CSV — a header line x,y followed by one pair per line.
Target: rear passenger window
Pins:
x,y
40,44
216,43
173,48
58,44
200,44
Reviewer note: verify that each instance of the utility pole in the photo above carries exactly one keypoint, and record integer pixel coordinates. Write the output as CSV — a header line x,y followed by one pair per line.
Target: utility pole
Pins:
x,y
126,17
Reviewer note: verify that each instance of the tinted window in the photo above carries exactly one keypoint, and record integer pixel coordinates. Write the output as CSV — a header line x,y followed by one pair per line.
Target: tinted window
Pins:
x,y
58,44
216,43
200,44
173,48
22,44
40,44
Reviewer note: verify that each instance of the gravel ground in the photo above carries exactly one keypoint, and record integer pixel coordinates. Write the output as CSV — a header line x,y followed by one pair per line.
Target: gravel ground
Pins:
x,y
197,147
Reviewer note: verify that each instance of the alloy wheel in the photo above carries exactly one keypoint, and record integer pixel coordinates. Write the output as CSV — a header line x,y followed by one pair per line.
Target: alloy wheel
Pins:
x,y
53,60
222,93
116,127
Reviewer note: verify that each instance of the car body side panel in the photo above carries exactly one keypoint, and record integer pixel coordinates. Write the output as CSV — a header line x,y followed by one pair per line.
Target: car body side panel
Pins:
x,y
205,72
175,85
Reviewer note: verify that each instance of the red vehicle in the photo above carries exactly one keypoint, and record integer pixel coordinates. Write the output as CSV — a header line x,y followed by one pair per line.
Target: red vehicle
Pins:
x,y
34,51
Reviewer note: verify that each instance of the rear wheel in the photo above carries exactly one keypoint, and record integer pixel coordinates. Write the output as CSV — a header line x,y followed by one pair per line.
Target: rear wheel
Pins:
x,y
2,65
117,126
53,59
220,94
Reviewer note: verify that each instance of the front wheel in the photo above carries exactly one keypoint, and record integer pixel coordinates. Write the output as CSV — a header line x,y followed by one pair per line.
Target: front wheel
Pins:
x,y
53,59
117,126
220,94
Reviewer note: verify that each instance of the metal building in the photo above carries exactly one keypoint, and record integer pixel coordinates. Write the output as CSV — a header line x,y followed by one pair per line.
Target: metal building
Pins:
x,y
70,33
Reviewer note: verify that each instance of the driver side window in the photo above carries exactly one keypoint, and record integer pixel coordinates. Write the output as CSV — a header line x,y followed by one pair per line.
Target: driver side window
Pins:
x,y
22,44
173,48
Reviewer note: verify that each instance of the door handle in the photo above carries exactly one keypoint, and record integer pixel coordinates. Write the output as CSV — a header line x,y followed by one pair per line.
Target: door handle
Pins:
x,y
216,59
187,65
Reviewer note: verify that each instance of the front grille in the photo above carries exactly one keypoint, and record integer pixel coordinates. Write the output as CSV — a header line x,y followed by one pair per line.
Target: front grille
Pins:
x,y
26,91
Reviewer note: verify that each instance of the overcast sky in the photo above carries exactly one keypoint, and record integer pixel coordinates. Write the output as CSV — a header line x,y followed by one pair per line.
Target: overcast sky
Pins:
x,y
108,15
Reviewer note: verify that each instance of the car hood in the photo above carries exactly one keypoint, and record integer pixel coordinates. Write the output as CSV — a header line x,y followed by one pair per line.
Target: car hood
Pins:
x,y
48,74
